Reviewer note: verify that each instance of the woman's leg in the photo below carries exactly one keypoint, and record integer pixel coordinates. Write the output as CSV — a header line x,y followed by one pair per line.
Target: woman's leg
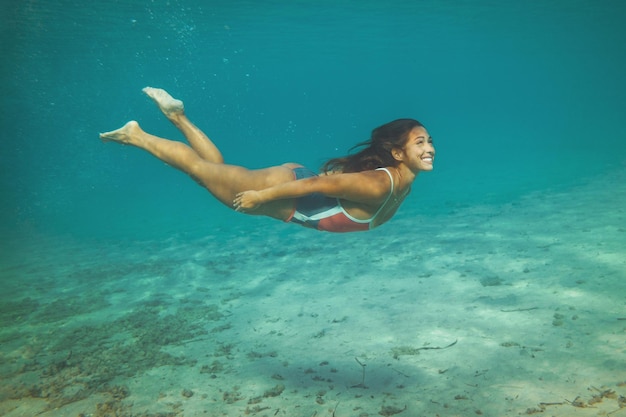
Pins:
x,y
222,180
174,110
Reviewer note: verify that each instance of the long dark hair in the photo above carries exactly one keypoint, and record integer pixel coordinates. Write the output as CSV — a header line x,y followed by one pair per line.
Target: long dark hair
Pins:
x,y
377,151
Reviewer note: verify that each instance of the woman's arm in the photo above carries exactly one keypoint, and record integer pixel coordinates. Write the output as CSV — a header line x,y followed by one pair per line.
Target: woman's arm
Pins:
x,y
367,187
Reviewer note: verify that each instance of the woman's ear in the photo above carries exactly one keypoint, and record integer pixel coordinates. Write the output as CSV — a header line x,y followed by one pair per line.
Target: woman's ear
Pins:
x,y
398,154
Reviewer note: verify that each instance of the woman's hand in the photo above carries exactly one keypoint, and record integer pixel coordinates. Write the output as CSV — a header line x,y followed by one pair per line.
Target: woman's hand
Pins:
x,y
247,201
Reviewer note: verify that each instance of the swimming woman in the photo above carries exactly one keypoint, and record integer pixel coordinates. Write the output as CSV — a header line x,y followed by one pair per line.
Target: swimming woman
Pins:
x,y
357,192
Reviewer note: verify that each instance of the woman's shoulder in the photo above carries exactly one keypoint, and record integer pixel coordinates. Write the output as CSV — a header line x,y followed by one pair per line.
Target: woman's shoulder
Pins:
x,y
379,181
373,174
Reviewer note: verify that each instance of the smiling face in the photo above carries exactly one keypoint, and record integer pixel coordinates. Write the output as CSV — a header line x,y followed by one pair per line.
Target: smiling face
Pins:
x,y
418,154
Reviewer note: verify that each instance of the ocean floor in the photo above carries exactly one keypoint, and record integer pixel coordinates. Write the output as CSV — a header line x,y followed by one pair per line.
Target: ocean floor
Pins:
x,y
494,310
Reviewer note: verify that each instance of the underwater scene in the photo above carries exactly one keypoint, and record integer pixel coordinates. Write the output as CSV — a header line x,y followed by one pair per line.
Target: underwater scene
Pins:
x,y
498,288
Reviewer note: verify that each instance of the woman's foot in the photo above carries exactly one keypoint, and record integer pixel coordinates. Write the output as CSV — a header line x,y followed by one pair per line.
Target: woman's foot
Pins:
x,y
168,105
123,135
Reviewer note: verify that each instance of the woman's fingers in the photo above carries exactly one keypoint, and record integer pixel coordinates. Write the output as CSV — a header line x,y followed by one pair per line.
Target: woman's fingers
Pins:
x,y
242,203
237,202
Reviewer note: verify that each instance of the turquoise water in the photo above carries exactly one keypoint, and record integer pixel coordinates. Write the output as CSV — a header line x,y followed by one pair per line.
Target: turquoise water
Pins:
x,y
525,102
518,97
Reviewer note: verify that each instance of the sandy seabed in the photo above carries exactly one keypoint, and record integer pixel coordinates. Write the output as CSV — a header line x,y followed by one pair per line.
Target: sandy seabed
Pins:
x,y
494,310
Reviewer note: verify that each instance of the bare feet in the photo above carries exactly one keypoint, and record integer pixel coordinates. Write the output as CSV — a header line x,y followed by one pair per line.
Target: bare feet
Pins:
x,y
167,104
124,134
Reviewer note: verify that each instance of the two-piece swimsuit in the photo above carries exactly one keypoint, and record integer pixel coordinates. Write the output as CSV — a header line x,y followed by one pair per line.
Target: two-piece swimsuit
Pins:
x,y
321,212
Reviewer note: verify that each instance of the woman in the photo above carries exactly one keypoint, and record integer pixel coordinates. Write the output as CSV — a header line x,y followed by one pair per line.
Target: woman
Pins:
x,y
354,193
